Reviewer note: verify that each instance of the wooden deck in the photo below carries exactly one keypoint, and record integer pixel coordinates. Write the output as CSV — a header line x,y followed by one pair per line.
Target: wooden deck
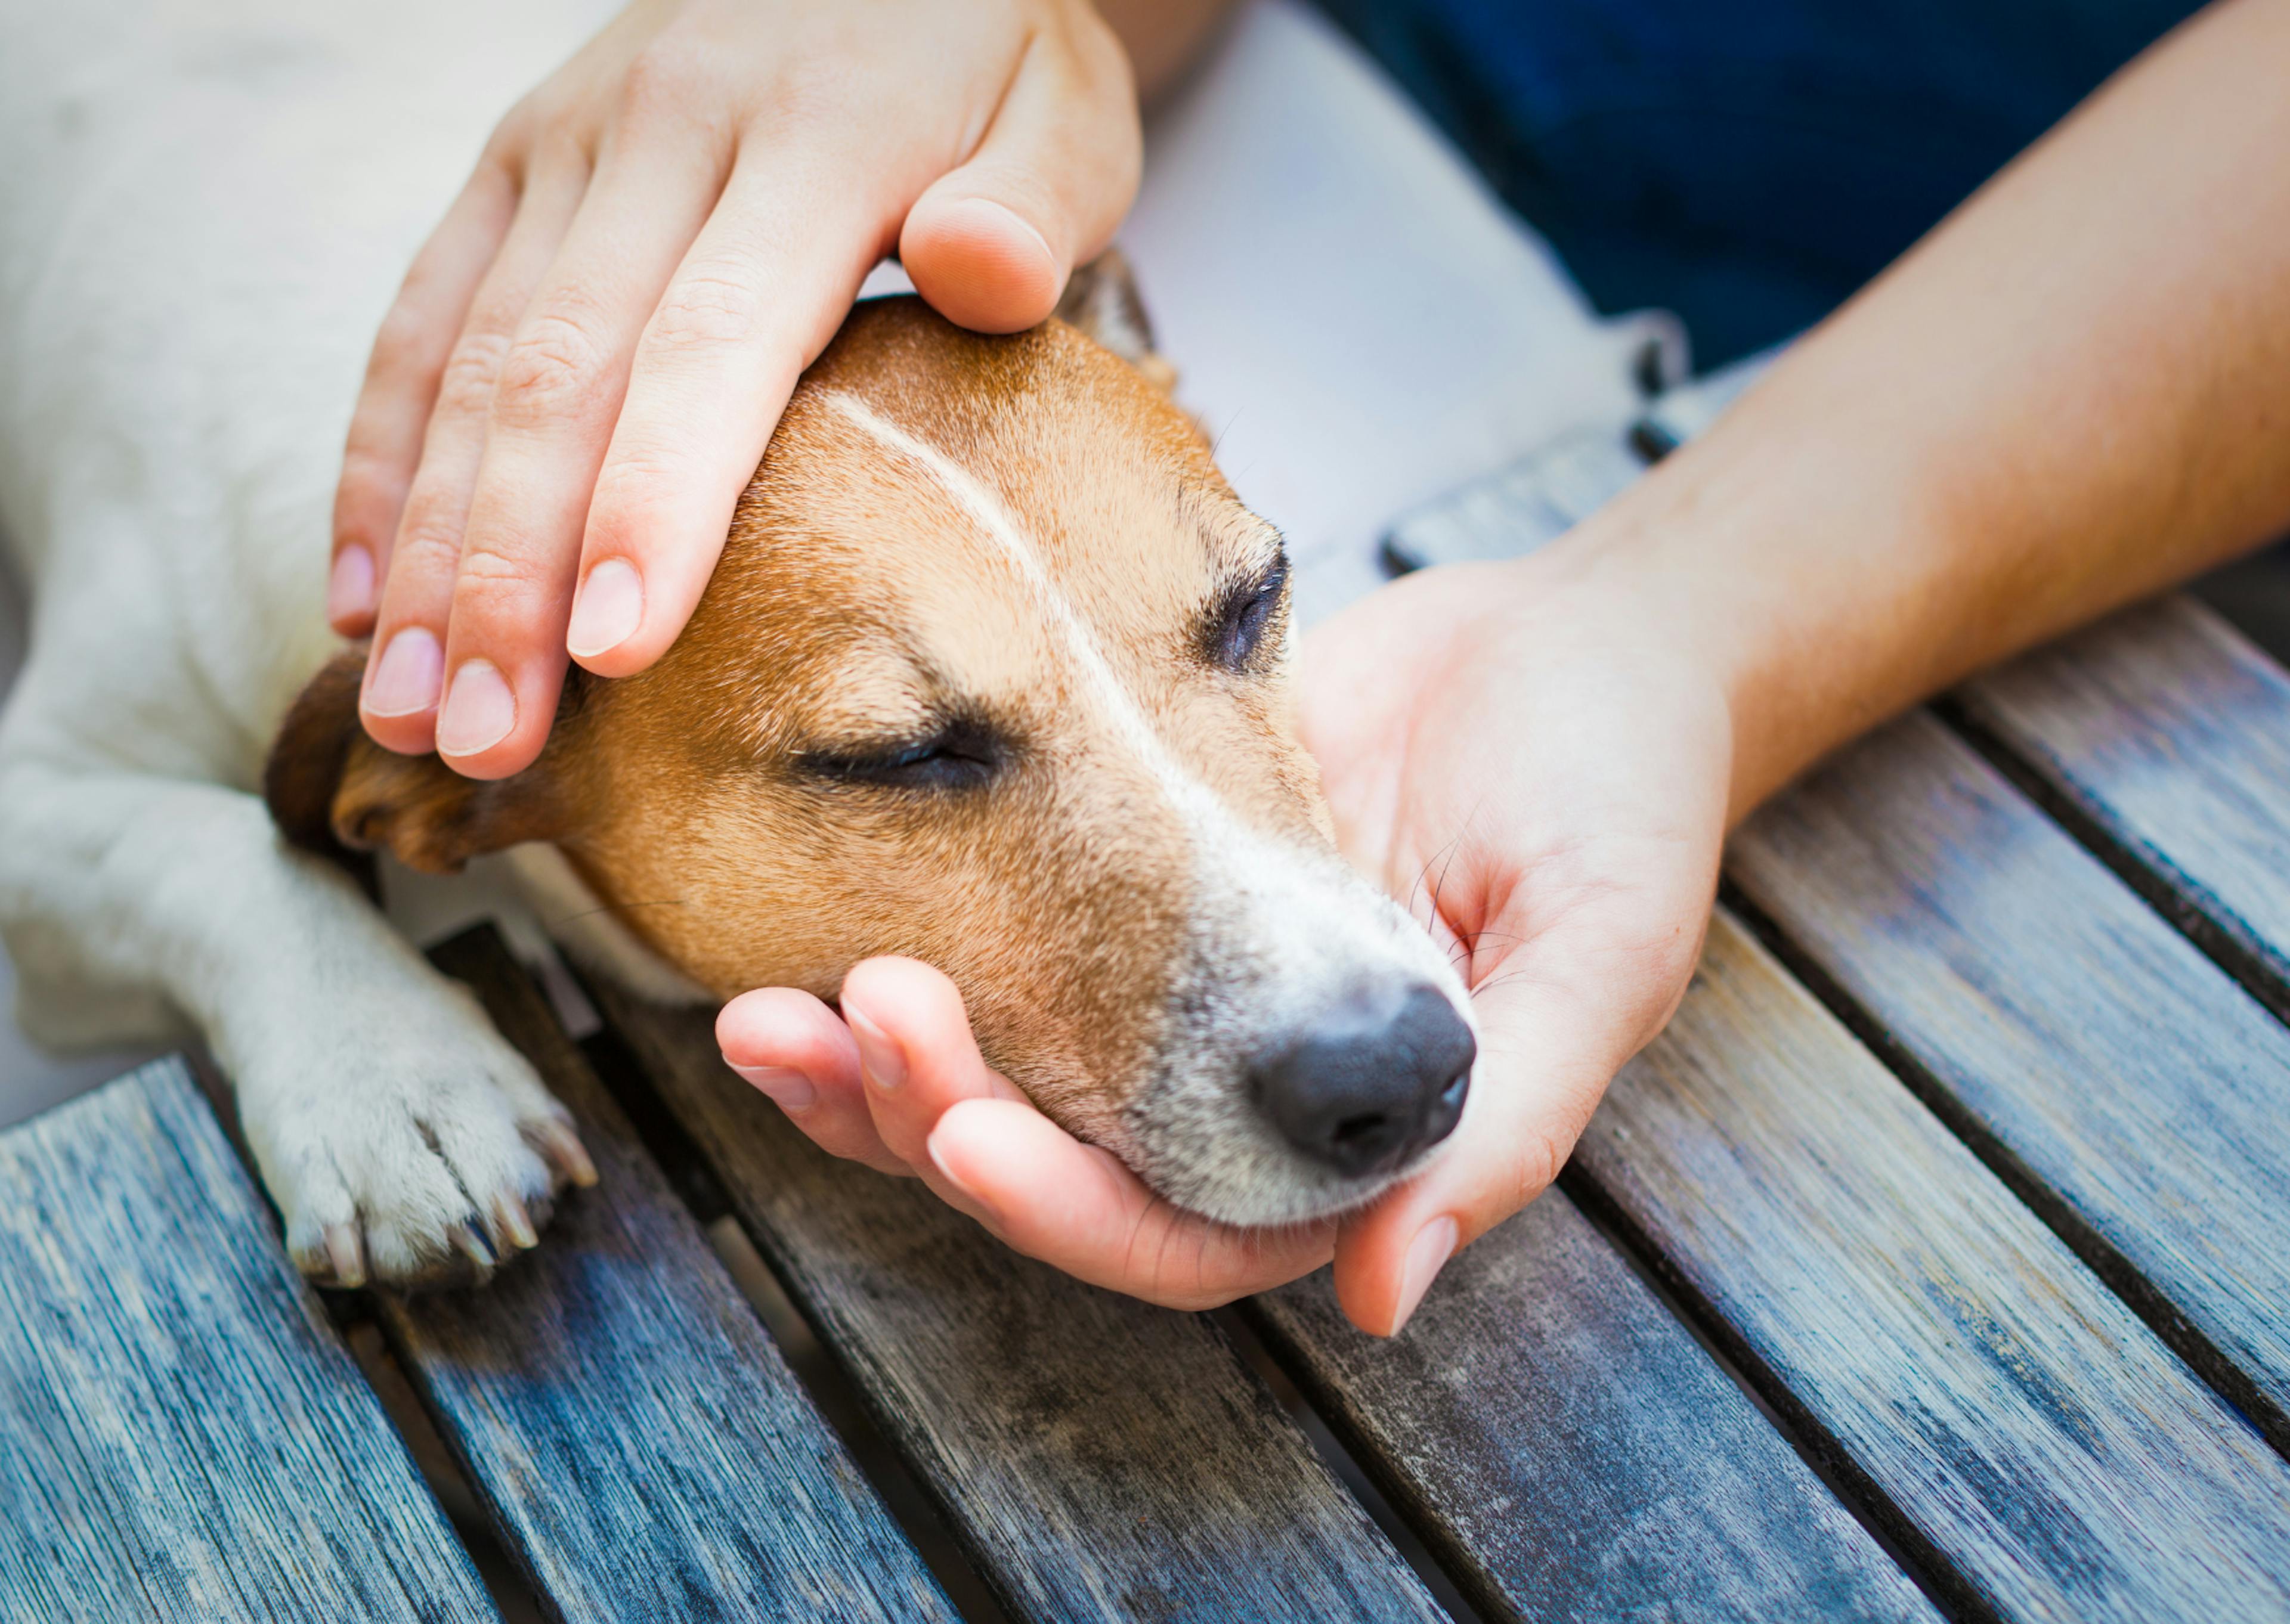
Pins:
x,y
1935,1263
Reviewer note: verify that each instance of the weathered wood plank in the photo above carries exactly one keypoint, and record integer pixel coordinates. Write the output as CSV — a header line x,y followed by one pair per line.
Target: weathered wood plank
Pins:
x,y
2131,1090
2007,1417
635,1434
1571,1451
1100,1458
2163,736
182,1434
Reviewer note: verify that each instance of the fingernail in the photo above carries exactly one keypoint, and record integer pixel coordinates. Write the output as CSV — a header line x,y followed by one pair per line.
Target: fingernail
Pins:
x,y
1427,1255
879,1057
478,712
406,677
1000,213
957,1181
607,610
783,1085
349,589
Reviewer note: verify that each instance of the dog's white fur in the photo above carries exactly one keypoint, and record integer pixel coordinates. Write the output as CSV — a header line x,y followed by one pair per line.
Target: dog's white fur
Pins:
x,y
204,213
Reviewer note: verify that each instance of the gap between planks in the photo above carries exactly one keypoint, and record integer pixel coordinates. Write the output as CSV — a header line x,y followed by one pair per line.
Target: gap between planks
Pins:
x,y
2119,1274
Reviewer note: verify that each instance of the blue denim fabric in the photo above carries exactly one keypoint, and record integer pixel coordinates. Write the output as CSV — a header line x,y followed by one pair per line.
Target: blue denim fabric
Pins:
x,y
1747,164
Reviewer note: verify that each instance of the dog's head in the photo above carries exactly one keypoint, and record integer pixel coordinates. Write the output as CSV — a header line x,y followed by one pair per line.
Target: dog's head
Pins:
x,y
996,673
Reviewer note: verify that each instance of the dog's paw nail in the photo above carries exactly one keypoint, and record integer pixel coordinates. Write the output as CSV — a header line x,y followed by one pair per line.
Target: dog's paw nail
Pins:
x,y
472,1245
565,1153
511,1219
345,1255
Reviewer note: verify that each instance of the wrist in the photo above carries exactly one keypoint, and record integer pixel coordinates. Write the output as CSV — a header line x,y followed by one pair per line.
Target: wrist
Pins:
x,y
1793,597
1599,607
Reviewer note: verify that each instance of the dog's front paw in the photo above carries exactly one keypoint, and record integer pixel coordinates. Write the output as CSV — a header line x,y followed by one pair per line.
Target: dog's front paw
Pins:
x,y
411,1148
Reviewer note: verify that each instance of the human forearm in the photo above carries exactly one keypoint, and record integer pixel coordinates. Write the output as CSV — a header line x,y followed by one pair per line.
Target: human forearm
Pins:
x,y
2075,392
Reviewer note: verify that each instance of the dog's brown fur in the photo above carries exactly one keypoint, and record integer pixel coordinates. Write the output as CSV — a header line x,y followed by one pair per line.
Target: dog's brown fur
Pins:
x,y
858,606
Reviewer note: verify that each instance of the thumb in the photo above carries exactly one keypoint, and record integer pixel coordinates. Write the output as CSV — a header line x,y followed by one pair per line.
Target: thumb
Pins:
x,y
991,242
1544,1060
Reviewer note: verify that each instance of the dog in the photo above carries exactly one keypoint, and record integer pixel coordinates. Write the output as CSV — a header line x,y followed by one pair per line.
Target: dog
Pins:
x,y
996,671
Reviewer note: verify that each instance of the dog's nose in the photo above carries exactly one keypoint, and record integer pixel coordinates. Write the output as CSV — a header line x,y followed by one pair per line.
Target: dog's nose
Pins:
x,y
1373,1082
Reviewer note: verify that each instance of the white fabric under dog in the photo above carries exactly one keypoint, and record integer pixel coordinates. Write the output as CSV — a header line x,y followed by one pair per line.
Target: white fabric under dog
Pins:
x,y
1354,316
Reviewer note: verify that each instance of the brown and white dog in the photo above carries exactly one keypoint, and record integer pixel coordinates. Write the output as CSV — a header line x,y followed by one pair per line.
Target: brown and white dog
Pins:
x,y
995,672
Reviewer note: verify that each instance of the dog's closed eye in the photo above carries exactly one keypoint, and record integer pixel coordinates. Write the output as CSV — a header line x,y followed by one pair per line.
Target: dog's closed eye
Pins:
x,y
960,754
1237,626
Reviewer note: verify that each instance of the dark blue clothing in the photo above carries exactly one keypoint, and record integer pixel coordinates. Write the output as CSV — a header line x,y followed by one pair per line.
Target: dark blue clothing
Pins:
x,y
1747,164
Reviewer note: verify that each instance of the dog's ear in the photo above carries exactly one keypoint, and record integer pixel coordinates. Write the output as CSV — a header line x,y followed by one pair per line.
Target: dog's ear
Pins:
x,y
1100,299
332,790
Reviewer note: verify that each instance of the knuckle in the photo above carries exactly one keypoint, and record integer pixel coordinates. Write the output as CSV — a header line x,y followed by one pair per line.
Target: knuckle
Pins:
x,y
466,385
634,496
815,92
367,468
1533,1170
428,541
368,489
626,489
552,363
638,467
549,117
708,305
513,137
669,79
400,340
493,579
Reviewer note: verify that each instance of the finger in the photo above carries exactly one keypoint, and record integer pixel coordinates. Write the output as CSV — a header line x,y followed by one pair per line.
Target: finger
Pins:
x,y
561,387
917,1055
990,244
1079,1209
764,287
1545,1058
1070,1205
405,671
792,1047
384,446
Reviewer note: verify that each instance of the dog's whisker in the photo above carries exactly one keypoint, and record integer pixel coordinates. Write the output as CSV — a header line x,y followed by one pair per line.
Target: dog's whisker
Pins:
x,y
1468,942
1447,852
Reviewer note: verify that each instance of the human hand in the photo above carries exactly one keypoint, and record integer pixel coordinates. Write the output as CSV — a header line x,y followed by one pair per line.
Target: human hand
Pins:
x,y
898,1083
1539,761
587,357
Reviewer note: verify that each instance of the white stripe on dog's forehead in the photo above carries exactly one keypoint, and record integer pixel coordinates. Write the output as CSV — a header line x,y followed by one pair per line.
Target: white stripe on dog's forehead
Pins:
x,y
1000,526
1315,928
